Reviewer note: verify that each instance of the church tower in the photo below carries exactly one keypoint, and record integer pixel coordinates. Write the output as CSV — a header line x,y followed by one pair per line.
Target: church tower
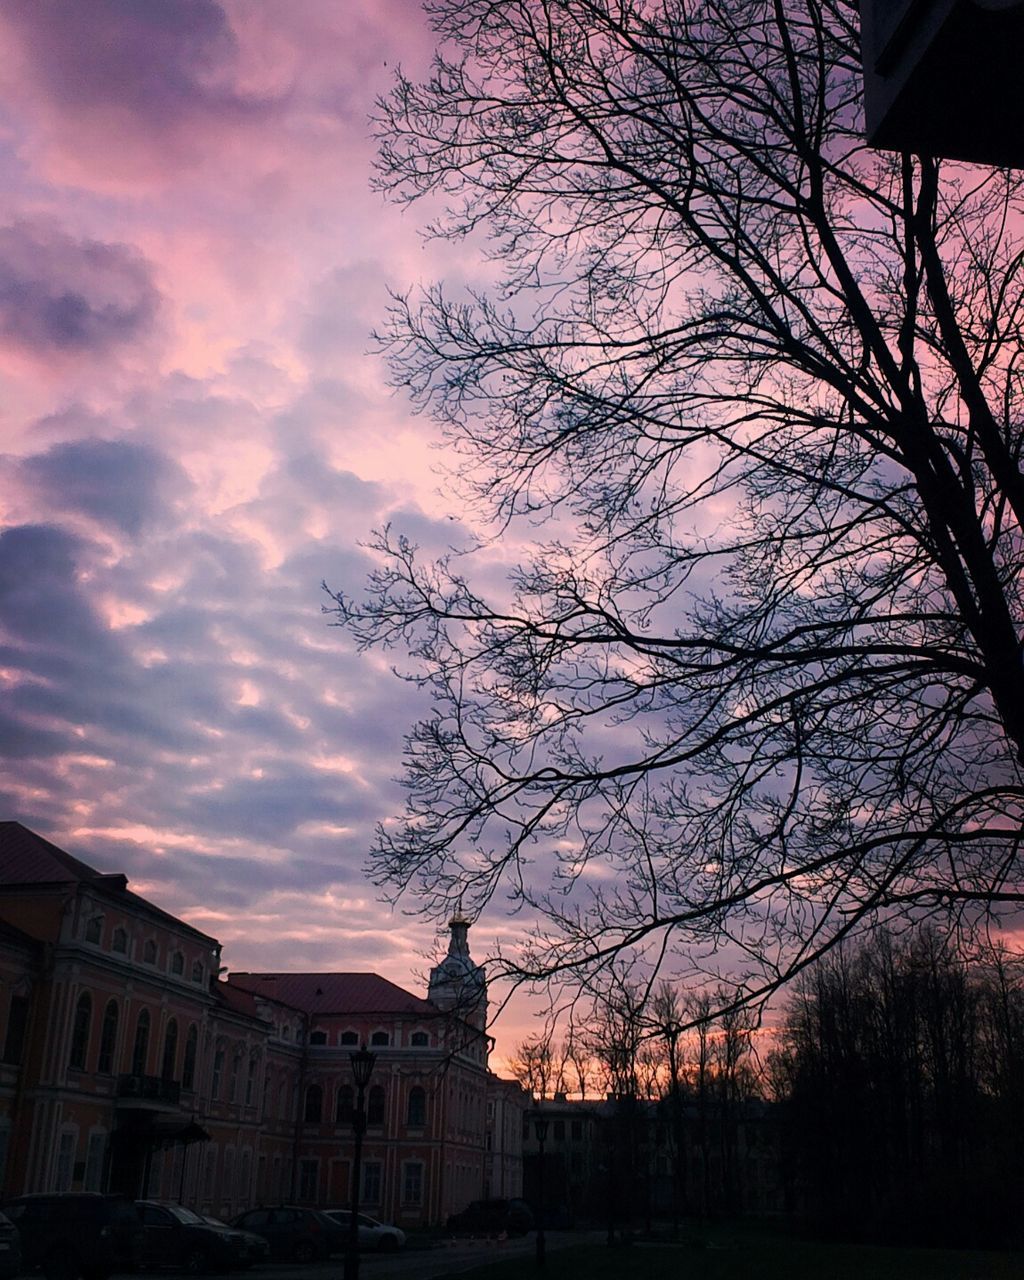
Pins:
x,y
457,985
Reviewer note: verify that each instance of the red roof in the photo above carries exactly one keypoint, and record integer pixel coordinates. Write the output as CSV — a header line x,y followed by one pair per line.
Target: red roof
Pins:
x,y
334,992
26,858
29,859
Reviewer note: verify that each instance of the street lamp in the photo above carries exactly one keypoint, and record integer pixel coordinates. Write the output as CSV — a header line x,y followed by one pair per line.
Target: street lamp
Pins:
x,y
362,1068
672,1031
540,1127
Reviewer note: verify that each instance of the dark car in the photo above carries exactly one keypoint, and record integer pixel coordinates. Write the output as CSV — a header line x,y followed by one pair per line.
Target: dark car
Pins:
x,y
10,1249
177,1237
492,1217
76,1234
255,1248
294,1233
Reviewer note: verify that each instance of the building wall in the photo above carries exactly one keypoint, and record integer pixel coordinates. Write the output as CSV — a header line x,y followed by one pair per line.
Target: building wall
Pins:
x,y
242,1070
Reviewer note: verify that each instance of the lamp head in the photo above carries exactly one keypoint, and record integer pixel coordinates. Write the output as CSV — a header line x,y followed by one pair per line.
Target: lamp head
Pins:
x,y
363,1062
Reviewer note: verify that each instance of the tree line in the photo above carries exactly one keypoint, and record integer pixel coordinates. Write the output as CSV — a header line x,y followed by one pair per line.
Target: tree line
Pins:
x,y
887,1104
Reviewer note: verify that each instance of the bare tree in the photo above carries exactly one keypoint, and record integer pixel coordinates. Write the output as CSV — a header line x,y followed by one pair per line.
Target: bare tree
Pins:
x,y
534,1066
763,682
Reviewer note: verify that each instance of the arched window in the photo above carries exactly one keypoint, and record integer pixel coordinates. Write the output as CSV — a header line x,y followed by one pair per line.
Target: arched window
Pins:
x,y
318,1037
349,1037
188,1066
344,1104
149,952
218,1071
197,971
119,941
375,1105
93,928
419,1040
170,1050
177,963
417,1112
140,1049
80,1032
380,1038
236,1068
250,1082
108,1038
314,1104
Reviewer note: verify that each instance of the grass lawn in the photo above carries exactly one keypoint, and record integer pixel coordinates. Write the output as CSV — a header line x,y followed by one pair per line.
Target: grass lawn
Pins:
x,y
738,1254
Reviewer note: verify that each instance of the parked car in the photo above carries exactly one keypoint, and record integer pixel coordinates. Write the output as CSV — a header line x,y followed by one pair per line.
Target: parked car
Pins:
x,y
67,1235
10,1249
177,1237
491,1217
372,1234
293,1232
256,1248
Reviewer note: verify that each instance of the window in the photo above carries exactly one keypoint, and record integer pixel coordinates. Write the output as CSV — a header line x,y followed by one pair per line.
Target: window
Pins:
x,y
577,1130
140,1049
250,1083
170,1050
197,971
93,928
108,1041
314,1104
236,1071
558,1130
65,1161
188,1066
308,1170
349,1037
149,952
419,1040
80,1033
417,1112
380,1038
177,963
218,1071
412,1182
344,1104
17,1022
318,1037
94,1162
119,941
372,1180
375,1105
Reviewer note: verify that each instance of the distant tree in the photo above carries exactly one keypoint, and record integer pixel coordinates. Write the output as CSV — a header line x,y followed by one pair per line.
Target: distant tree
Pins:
x,y
894,1125
534,1066
763,681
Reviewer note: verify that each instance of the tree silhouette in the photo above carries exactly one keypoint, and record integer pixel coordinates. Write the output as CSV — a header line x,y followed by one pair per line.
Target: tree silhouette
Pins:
x,y
761,680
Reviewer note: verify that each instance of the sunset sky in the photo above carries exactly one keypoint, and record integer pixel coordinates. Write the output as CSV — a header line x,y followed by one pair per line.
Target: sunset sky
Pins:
x,y
195,434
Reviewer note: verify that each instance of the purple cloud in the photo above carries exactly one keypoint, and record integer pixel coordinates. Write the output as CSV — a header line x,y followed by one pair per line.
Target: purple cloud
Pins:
x,y
153,58
115,482
61,295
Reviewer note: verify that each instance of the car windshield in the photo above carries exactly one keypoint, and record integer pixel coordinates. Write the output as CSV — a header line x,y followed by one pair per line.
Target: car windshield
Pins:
x,y
184,1215
211,1221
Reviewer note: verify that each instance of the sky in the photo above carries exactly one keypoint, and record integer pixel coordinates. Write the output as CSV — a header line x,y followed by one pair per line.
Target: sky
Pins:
x,y
194,434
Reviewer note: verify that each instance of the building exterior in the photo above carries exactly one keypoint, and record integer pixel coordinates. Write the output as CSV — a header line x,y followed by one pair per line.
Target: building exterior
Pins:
x,y
129,1064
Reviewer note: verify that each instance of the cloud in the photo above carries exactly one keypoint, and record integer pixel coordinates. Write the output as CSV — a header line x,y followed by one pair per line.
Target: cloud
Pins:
x,y
40,598
149,61
115,482
71,297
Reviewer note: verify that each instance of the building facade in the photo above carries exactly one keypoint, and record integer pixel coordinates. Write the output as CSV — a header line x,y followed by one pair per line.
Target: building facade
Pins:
x,y
129,1064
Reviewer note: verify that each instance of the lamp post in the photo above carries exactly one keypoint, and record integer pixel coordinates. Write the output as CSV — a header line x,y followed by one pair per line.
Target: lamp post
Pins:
x,y
362,1068
540,1127
672,1032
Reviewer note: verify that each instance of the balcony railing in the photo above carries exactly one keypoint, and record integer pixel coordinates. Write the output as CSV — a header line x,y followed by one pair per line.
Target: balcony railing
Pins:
x,y
149,1089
